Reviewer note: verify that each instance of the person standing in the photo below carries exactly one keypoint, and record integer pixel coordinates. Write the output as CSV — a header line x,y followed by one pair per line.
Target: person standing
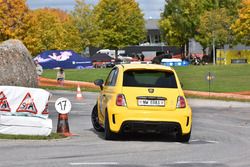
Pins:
x,y
168,55
142,57
60,76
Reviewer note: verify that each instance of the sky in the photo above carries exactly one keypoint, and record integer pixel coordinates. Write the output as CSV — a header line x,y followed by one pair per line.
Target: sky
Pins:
x,y
150,8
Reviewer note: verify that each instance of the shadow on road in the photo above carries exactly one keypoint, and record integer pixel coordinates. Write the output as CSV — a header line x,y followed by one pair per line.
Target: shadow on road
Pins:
x,y
144,137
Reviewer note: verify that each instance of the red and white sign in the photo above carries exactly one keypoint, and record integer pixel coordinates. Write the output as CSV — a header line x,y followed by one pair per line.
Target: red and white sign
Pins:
x,y
22,101
4,105
27,105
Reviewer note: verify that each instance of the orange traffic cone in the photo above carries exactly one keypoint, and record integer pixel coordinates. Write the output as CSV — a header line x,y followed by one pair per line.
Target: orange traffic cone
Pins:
x,y
63,125
78,92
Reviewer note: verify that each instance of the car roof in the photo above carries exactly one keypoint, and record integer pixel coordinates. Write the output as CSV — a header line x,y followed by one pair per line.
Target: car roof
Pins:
x,y
145,66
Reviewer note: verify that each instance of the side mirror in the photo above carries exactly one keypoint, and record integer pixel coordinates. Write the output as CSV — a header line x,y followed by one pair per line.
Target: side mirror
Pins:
x,y
99,82
182,85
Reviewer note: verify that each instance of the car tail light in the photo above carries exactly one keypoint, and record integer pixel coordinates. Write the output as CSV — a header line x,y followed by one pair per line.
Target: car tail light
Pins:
x,y
120,100
180,102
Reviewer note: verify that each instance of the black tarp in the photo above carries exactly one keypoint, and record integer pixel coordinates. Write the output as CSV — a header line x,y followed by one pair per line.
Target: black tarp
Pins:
x,y
101,57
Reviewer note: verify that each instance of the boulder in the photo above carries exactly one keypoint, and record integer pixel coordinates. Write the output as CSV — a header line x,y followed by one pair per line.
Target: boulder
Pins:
x,y
16,65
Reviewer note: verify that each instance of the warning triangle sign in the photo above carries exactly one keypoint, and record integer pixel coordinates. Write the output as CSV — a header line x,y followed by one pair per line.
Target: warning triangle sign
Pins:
x,y
45,111
4,105
27,105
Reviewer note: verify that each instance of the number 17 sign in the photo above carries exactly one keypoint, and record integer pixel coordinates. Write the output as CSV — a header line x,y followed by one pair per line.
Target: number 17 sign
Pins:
x,y
63,105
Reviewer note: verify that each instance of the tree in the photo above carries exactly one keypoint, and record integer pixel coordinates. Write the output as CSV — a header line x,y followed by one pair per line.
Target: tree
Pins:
x,y
50,29
203,20
241,27
214,25
120,23
232,5
12,14
179,20
86,23
171,35
215,22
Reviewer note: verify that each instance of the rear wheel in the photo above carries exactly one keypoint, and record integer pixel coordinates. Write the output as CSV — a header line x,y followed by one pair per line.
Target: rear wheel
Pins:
x,y
94,120
108,134
183,138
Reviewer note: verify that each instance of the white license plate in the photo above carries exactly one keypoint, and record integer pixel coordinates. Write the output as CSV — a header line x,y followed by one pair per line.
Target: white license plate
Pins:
x,y
146,102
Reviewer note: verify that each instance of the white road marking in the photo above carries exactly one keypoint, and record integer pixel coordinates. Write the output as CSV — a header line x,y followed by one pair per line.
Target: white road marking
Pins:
x,y
93,163
207,141
242,126
211,141
71,103
80,103
196,162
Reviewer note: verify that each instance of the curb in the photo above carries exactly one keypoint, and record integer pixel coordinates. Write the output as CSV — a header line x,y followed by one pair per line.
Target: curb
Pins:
x,y
217,95
74,84
67,83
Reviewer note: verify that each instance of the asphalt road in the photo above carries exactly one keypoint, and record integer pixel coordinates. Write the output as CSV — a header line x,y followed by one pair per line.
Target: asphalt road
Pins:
x,y
220,138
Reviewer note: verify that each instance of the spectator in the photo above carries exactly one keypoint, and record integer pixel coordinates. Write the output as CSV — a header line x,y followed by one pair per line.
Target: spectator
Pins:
x,y
168,55
138,57
60,76
39,68
142,57
157,59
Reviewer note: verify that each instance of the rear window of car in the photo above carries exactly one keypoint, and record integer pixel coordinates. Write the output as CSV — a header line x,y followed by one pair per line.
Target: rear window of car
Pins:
x,y
149,78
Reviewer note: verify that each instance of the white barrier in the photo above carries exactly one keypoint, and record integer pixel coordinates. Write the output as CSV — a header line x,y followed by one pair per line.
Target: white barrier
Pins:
x,y
24,111
171,60
174,62
20,125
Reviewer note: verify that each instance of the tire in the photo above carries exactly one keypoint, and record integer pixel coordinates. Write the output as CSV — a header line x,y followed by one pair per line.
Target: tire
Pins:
x,y
108,134
183,138
94,120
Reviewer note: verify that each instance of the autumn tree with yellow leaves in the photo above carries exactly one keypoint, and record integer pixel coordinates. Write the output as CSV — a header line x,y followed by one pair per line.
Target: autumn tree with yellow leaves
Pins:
x,y
241,27
12,16
41,29
51,29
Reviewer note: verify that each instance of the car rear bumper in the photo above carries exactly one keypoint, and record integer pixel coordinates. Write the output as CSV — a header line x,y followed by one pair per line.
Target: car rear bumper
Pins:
x,y
149,126
141,120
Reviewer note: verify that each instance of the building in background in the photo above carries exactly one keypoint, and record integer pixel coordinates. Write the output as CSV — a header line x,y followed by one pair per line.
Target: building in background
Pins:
x,y
195,47
154,37
238,54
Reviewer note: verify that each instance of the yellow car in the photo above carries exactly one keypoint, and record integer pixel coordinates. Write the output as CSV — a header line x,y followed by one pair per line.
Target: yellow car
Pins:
x,y
142,98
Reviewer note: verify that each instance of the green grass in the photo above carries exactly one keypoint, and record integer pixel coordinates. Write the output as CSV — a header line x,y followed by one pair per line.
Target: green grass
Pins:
x,y
228,78
29,137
